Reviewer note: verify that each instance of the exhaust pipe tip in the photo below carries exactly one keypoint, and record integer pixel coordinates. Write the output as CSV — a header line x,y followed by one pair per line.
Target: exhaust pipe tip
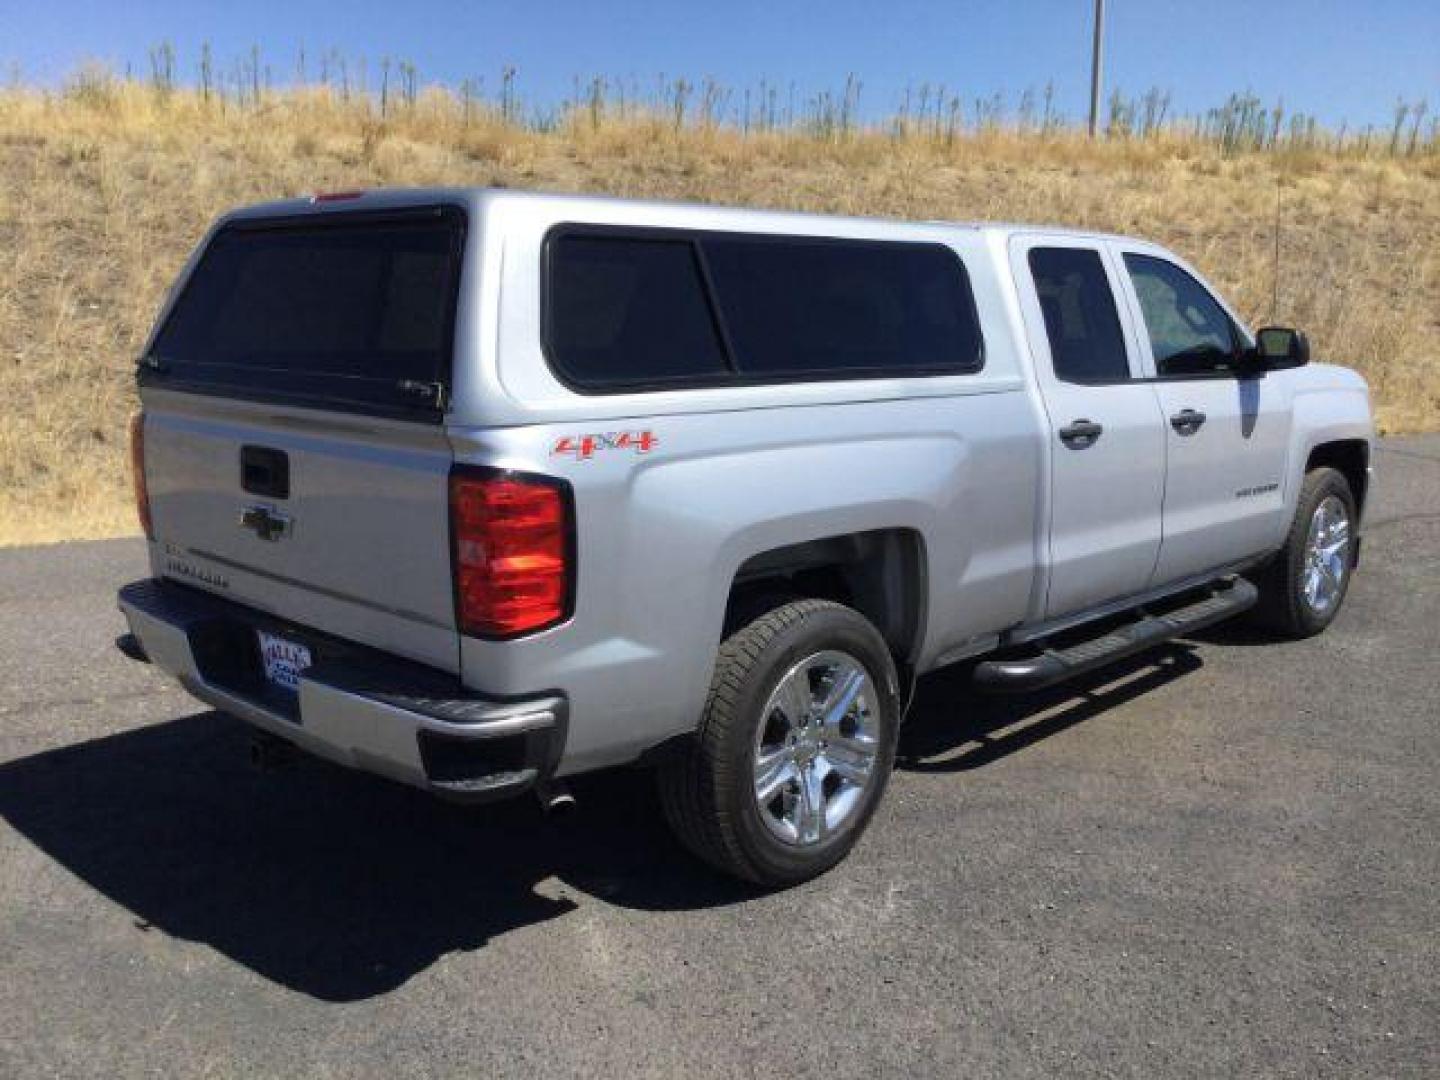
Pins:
x,y
556,798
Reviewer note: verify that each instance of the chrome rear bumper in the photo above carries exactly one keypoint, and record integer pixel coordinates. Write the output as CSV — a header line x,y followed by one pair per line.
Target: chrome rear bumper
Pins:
x,y
355,706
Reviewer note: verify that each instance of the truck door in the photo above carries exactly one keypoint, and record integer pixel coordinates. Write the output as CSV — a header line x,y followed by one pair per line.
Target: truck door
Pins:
x,y
1106,431
1227,436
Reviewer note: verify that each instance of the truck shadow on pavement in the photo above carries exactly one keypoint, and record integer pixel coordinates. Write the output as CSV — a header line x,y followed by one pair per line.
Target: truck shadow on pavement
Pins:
x,y
342,886
336,884
988,728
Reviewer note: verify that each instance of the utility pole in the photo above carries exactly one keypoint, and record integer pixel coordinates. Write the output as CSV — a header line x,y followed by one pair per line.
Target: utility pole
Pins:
x,y
1097,58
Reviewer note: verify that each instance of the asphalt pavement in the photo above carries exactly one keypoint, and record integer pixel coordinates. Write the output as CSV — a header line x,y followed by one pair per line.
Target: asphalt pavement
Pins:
x,y
1222,859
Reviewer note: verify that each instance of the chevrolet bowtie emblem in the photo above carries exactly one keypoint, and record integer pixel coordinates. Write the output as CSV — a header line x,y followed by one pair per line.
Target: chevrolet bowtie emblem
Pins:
x,y
264,522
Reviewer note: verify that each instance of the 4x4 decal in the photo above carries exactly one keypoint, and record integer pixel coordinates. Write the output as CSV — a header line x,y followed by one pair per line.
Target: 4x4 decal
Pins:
x,y
583,447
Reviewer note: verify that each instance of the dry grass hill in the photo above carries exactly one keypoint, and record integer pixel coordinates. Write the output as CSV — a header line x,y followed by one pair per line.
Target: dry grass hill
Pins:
x,y
105,186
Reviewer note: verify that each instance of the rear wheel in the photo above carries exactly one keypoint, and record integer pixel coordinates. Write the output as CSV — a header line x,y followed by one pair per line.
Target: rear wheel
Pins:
x,y
794,748
1302,590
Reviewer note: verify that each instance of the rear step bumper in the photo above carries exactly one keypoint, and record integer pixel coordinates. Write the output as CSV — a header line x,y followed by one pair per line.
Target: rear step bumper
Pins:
x,y
355,706
1056,665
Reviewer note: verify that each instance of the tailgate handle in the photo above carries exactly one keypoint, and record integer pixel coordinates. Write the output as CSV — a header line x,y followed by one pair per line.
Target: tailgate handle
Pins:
x,y
265,471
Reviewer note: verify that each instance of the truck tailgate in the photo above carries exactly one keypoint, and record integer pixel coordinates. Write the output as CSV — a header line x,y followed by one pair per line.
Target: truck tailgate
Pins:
x,y
357,545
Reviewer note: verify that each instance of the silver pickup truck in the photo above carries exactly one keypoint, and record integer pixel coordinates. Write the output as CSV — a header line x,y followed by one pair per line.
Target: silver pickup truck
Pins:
x,y
479,490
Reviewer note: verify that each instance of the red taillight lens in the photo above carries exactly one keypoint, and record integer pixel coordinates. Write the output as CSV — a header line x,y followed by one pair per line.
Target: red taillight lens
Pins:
x,y
511,557
137,473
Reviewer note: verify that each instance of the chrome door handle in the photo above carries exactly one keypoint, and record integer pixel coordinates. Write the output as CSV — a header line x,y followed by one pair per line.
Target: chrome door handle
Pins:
x,y
1187,421
1084,432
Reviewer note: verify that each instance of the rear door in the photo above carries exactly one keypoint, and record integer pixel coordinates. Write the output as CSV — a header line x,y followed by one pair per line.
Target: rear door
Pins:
x,y
1107,440
1228,436
295,455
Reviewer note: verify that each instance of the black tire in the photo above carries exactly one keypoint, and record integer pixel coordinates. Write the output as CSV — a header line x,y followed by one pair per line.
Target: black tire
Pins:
x,y
1283,607
707,791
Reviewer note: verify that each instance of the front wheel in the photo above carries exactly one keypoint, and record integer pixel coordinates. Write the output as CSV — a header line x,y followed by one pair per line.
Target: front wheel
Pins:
x,y
794,748
1302,589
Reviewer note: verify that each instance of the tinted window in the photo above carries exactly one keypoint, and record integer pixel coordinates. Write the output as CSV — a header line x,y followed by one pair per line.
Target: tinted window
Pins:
x,y
798,307
341,310
661,307
1086,343
623,310
1190,333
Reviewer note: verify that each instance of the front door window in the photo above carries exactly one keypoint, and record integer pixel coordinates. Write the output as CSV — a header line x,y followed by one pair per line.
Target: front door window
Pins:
x,y
1190,334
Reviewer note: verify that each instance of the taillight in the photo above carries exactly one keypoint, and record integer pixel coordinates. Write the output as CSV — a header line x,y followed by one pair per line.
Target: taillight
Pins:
x,y
512,552
137,473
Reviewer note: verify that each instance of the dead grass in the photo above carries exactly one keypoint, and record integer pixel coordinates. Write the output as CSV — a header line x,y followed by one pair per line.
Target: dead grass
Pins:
x,y
103,192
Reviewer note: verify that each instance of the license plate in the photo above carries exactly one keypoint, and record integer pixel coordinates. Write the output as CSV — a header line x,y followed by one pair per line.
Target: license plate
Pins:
x,y
284,660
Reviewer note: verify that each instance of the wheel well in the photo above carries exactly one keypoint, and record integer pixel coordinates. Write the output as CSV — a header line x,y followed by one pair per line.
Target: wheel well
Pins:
x,y
1351,457
878,573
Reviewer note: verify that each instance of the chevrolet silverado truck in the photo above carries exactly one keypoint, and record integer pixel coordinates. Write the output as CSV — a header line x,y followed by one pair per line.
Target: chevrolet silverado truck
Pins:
x,y
480,490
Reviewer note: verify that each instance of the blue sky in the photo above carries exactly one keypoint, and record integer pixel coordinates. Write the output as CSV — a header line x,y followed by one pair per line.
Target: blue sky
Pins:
x,y
1341,61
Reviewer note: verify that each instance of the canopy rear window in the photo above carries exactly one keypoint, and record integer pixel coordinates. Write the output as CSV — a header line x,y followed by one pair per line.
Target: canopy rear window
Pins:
x,y
345,311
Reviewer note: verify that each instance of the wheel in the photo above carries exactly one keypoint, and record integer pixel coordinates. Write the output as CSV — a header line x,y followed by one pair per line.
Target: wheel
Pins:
x,y
1302,589
794,748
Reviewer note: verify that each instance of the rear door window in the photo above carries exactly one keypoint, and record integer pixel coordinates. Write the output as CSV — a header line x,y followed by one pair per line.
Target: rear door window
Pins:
x,y
1081,322
340,311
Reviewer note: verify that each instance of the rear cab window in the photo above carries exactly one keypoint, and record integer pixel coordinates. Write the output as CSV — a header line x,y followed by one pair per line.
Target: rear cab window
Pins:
x,y
636,309
344,311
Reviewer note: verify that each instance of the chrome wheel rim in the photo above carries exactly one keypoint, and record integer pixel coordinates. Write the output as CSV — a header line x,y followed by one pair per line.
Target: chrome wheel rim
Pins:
x,y
816,748
1327,556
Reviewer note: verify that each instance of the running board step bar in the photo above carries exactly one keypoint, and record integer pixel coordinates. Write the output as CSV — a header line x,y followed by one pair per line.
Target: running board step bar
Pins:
x,y
1056,665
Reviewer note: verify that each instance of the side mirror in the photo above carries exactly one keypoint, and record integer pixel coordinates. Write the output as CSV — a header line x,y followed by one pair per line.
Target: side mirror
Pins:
x,y
1280,347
